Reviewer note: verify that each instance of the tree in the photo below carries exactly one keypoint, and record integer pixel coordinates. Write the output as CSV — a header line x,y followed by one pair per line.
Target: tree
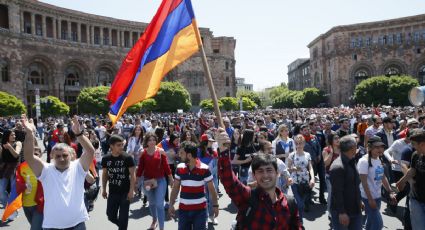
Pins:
x,y
149,105
377,90
93,100
309,97
228,103
207,104
10,105
136,108
53,106
171,97
248,104
288,99
255,97
277,91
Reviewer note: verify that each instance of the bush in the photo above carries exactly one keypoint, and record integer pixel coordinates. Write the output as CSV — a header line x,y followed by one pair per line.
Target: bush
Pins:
x,y
10,105
377,90
309,97
288,99
93,100
149,105
171,97
228,103
248,104
208,104
53,106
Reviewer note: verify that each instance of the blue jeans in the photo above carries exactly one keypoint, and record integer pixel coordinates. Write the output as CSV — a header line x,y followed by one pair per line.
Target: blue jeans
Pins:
x,y
80,226
243,175
157,200
355,222
4,196
213,170
417,214
192,219
35,219
373,216
300,200
329,188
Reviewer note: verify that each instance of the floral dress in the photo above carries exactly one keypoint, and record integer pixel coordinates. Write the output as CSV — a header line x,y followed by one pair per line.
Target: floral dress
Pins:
x,y
302,162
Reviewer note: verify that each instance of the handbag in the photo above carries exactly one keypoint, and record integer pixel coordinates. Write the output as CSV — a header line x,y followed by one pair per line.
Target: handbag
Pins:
x,y
152,183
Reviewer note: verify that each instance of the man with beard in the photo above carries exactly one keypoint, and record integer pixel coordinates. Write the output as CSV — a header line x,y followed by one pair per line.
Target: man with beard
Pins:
x,y
192,175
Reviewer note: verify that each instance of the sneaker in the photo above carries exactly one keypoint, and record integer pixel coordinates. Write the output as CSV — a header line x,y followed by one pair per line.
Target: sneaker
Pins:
x,y
214,221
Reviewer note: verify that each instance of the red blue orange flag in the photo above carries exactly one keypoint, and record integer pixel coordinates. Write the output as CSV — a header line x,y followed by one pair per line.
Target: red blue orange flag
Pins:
x,y
13,204
170,38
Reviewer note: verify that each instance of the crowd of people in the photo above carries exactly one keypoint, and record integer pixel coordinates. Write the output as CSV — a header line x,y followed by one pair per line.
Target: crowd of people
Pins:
x,y
267,161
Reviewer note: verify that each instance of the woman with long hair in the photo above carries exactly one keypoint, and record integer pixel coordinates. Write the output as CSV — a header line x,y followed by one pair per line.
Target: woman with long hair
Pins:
x,y
10,150
135,143
243,156
234,145
171,149
153,168
302,174
329,154
283,145
189,135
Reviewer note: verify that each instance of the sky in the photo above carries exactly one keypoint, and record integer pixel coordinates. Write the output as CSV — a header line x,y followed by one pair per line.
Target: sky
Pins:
x,y
270,34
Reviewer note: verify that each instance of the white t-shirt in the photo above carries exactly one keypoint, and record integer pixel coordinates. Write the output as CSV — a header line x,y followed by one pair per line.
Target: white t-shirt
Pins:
x,y
301,162
63,195
102,132
374,176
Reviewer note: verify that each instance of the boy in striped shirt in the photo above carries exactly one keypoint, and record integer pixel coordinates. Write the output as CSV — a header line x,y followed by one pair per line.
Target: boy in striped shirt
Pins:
x,y
192,175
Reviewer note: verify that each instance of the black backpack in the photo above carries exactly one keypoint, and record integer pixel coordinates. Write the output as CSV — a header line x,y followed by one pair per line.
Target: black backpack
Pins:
x,y
253,205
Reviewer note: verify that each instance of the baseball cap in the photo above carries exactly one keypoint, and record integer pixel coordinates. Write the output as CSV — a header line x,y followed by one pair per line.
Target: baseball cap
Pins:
x,y
206,137
375,141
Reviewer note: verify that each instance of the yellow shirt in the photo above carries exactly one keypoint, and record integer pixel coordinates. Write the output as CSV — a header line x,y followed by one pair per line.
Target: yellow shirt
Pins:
x,y
28,196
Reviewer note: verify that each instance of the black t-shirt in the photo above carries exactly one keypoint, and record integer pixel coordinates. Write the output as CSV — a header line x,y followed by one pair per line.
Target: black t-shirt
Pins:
x,y
417,190
244,153
118,172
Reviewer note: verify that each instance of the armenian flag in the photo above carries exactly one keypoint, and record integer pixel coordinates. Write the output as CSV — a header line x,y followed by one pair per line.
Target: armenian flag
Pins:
x,y
13,204
170,38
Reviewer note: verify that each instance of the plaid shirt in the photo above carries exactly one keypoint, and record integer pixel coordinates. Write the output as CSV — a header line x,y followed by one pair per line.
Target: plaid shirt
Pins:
x,y
267,215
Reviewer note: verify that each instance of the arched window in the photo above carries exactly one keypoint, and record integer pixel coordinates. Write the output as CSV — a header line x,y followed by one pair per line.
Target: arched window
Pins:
x,y
392,70
316,79
104,76
37,74
360,75
72,76
4,16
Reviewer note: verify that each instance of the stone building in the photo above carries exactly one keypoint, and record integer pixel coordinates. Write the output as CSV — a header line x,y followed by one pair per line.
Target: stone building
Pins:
x,y
345,55
299,74
242,86
60,51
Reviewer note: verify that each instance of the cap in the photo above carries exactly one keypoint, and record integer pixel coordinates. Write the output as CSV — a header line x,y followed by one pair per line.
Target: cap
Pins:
x,y
206,137
375,141
412,121
417,135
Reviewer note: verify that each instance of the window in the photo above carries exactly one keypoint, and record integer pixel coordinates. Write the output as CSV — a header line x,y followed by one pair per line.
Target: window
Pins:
x,y
216,51
27,22
390,39
368,41
353,43
64,30
105,36
392,70
416,37
384,40
360,75
38,25
399,38
4,68
96,36
355,57
227,65
227,81
104,76
37,74
4,17
359,42
72,76
227,94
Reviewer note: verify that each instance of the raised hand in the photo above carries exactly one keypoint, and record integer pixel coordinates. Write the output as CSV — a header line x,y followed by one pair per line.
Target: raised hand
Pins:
x,y
27,125
76,127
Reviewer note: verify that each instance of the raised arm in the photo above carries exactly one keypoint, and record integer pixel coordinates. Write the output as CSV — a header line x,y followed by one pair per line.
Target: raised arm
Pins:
x,y
35,163
88,154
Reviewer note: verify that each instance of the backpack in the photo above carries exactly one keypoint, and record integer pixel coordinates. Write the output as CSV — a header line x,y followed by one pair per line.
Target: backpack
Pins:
x,y
253,205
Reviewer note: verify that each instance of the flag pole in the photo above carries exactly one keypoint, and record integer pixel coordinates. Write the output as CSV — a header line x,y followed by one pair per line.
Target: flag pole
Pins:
x,y
209,79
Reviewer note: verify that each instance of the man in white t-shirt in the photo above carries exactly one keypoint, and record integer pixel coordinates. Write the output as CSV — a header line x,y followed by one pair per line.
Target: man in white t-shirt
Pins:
x,y
62,180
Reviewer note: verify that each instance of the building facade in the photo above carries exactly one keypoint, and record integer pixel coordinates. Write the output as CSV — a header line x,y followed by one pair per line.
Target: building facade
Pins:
x,y
242,86
60,51
346,55
299,74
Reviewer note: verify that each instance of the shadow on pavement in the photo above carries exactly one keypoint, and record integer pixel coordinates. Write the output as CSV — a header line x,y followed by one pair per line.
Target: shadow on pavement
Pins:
x,y
231,208
139,213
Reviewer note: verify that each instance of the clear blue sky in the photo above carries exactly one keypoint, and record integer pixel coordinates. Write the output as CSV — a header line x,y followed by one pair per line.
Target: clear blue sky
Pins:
x,y
270,34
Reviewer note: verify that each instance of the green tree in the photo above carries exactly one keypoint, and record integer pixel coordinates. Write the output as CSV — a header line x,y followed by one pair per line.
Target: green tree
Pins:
x,y
149,105
10,105
171,97
93,100
136,108
377,90
255,97
248,104
53,106
277,91
309,97
208,104
228,103
288,99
